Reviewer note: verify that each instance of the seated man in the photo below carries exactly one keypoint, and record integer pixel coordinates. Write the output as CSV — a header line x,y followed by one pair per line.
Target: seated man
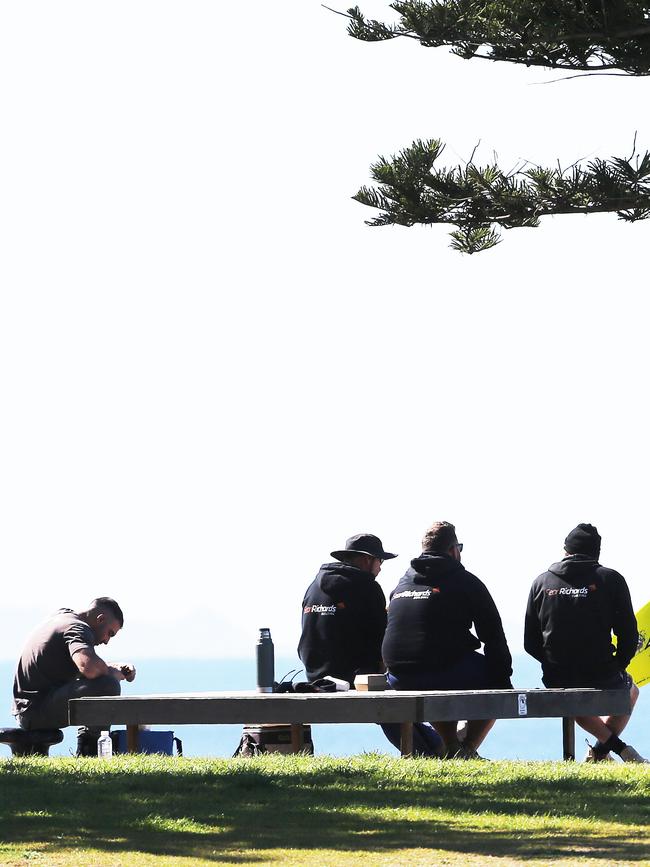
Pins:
x,y
344,613
59,662
343,623
573,609
428,642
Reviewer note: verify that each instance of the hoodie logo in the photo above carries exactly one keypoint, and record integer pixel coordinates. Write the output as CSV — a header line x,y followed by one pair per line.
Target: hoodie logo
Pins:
x,y
321,609
416,594
574,592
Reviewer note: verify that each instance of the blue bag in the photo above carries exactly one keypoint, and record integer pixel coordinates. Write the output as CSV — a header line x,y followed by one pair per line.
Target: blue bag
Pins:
x,y
148,742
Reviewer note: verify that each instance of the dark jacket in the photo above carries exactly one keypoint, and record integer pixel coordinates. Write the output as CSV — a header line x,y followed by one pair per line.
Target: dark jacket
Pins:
x,y
573,608
343,623
430,617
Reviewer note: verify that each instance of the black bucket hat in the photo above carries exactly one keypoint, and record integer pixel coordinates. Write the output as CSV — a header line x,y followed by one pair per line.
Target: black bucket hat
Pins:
x,y
364,543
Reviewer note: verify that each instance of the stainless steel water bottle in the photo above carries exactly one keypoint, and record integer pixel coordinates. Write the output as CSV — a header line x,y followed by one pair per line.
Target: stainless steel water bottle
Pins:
x,y
265,662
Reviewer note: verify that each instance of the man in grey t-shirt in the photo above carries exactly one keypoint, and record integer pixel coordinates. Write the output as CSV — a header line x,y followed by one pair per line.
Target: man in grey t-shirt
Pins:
x,y
59,662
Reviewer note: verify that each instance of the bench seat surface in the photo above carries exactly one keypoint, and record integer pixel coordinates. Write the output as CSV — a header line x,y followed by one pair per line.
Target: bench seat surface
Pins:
x,y
213,708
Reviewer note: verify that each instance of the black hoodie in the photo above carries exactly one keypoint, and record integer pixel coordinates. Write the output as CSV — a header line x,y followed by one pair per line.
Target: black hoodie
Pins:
x,y
430,618
573,608
343,623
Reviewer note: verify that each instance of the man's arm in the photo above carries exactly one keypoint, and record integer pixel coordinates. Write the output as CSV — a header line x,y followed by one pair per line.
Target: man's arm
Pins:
x,y
489,630
91,666
377,627
624,624
533,643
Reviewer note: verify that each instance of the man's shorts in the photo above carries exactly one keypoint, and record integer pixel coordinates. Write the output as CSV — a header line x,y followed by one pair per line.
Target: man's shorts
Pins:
x,y
558,679
468,672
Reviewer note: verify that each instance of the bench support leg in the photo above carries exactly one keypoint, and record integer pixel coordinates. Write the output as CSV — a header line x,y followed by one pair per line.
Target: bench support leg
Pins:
x,y
132,739
568,739
406,738
297,738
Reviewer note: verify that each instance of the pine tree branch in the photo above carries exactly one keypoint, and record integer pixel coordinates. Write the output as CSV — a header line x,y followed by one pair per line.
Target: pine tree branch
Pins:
x,y
412,190
590,36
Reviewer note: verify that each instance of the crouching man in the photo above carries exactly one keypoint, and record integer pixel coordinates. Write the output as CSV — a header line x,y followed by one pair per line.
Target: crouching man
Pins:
x,y
59,662
573,609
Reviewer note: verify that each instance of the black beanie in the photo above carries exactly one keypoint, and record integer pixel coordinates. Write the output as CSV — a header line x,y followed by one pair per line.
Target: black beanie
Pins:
x,y
583,539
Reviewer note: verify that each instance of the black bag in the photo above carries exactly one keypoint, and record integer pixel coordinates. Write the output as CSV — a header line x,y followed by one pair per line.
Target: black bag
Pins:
x,y
260,739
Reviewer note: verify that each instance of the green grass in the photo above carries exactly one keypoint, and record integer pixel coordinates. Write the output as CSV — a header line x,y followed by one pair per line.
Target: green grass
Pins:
x,y
144,810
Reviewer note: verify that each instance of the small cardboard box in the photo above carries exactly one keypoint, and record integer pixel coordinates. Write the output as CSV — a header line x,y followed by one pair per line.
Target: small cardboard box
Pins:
x,y
370,682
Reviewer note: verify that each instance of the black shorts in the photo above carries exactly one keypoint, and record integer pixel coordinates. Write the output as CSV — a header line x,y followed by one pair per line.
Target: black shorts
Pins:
x,y
558,679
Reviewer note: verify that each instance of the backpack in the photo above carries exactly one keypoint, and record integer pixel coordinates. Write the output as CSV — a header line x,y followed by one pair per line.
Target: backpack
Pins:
x,y
256,740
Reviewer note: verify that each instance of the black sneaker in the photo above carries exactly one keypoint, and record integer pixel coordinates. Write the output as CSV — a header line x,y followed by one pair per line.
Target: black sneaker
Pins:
x,y
593,756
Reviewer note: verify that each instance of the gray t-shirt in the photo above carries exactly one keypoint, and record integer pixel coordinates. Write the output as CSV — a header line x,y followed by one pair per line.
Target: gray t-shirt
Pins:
x,y
46,662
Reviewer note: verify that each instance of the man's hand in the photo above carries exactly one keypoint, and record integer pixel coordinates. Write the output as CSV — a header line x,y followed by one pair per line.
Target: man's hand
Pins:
x,y
126,669
90,665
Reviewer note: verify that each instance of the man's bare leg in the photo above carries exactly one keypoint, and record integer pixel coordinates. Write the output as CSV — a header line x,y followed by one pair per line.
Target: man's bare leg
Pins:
x,y
602,727
475,732
606,730
616,724
448,732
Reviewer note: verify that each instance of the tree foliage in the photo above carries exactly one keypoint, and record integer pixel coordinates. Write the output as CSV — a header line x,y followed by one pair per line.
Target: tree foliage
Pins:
x,y
589,35
478,199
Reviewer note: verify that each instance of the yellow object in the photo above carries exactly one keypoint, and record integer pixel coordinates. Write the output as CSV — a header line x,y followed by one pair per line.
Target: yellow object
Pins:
x,y
639,667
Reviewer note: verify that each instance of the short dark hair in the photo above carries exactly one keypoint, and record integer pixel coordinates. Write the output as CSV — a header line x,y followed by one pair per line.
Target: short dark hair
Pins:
x,y
110,605
439,538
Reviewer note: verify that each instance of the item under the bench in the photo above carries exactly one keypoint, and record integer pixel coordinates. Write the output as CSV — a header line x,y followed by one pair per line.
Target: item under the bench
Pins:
x,y
259,739
148,742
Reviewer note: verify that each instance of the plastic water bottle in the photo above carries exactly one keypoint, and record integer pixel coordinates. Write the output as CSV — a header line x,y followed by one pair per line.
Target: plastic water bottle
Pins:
x,y
105,746
265,662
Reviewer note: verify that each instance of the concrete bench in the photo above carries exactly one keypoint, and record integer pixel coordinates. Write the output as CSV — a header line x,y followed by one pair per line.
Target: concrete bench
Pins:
x,y
405,708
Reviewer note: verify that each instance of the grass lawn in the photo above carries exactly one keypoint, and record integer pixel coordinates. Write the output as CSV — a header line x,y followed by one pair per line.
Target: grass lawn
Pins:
x,y
370,810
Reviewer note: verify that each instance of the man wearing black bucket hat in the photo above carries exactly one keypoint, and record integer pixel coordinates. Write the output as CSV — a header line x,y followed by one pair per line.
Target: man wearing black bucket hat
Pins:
x,y
344,613
343,624
573,609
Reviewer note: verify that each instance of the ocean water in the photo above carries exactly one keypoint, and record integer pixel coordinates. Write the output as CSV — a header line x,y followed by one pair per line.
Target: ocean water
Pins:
x,y
509,739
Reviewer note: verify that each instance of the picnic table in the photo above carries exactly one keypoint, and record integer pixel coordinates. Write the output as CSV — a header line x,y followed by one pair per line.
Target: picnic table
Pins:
x,y
389,706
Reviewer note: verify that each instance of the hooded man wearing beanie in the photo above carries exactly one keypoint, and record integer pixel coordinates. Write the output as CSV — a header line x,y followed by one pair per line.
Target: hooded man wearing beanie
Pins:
x,y
343,624
573,610
429,643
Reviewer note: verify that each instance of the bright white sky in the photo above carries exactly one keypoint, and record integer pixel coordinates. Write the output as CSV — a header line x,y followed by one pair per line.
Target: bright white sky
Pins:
x,y
212,372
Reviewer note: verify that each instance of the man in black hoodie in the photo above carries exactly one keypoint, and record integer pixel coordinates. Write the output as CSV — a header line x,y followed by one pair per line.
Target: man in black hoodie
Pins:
x,y
344,613
343,624
573,609
429,643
